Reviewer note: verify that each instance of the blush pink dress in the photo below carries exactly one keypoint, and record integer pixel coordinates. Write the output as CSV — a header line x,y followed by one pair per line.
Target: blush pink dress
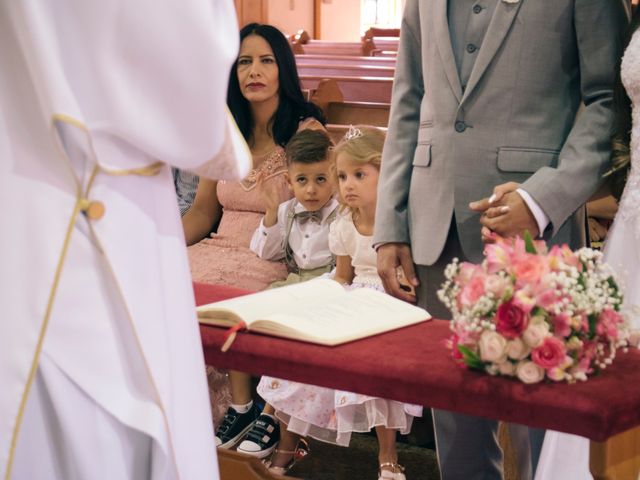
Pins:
x,y
225,257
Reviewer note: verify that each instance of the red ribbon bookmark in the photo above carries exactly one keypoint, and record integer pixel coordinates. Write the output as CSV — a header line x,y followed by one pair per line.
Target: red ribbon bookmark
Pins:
x,y
230,335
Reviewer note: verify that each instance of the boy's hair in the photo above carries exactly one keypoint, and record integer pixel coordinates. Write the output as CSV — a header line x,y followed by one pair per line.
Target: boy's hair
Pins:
x,y
362,144
308,146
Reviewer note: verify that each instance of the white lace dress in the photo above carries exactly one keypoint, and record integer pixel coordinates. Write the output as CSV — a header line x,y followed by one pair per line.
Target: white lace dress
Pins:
x,y
332,415
564,455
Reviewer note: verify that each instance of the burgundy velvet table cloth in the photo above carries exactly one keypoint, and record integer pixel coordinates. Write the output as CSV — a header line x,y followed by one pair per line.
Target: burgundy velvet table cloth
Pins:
x,y
413,365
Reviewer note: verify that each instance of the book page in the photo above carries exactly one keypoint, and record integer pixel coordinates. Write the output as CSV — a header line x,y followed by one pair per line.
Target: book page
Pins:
x,y
358,314
262,304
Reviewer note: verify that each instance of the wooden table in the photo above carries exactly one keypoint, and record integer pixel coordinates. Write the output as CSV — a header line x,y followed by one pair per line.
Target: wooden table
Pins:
x,y
413,365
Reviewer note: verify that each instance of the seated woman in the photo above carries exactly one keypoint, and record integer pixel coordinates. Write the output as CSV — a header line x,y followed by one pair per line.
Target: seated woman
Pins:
x,y
267,103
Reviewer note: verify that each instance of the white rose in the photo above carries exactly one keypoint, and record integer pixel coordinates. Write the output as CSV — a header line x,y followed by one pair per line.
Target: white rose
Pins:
x,y
507,368
529,372
493,347
535,334
517,349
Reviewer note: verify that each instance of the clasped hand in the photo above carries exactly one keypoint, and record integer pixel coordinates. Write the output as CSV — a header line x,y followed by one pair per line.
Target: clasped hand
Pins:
x,y
505,213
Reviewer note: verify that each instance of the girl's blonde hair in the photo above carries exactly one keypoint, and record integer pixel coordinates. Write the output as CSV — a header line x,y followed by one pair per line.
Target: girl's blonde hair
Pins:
x,y
362,144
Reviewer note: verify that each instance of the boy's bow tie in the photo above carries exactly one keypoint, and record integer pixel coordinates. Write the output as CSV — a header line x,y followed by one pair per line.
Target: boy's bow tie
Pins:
x,y
306,215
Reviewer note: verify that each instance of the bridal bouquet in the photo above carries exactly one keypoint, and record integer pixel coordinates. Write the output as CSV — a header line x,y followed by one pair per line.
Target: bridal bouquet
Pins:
x,y
534,313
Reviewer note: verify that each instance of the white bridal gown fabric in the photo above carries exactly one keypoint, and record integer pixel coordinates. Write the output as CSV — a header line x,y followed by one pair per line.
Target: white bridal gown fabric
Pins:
x,y
101,366
564,455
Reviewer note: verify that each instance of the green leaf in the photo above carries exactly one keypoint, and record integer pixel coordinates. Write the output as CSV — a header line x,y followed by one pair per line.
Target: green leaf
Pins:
x,y
470,358
593,322
528,243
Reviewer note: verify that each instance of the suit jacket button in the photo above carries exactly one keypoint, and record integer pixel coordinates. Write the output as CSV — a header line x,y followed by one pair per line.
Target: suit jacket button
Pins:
x,y
477,9
460,126
95,210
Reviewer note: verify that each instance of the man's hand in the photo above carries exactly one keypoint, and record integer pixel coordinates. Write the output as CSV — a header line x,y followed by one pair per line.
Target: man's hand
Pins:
x,y
505,213
390,257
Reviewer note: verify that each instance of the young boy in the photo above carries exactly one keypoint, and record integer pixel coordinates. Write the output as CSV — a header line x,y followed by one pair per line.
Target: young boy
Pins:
x,y
298,230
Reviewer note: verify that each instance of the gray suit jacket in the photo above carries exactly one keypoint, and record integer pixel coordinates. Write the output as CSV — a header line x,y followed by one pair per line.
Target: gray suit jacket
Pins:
x,y
515,121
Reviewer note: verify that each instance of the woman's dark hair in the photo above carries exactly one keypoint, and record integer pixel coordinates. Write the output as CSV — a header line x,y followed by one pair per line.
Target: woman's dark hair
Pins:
x,y
621,138
292,106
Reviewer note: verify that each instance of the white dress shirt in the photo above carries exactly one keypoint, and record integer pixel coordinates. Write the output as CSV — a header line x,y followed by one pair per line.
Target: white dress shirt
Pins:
x,y
309,241
542,219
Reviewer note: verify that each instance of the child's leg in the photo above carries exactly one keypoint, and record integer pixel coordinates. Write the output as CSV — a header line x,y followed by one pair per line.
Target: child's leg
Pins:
x,y
240,387
240,415
387,453
285,452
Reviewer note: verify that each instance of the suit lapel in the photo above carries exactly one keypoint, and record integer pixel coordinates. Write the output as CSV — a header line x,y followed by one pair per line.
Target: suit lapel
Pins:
x,y
443,40
499,26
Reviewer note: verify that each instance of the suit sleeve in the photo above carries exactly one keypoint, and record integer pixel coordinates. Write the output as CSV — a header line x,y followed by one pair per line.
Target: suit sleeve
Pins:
x,y
391,224
585,155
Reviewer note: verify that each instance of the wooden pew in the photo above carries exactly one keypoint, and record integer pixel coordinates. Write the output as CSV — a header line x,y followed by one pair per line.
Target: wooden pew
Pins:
x,y
325,47
325,93
354,113
305,59
328,70
381,32
381,41
356,89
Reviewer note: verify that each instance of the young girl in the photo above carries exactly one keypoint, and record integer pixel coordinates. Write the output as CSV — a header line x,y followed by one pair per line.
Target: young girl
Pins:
x,y
327,414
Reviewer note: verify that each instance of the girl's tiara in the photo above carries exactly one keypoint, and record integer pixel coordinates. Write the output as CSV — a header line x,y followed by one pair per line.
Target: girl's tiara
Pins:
x,y
352,133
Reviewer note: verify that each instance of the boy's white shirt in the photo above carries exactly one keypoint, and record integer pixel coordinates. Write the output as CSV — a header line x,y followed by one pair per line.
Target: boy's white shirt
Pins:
x,y
309,241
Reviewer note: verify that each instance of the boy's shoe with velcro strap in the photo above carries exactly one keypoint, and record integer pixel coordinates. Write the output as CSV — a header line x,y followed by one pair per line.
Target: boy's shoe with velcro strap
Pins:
x,y
234,426
262,438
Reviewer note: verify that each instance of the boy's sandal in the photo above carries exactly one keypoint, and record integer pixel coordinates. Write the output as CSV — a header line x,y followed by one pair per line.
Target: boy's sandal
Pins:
x,y
301,451
396,472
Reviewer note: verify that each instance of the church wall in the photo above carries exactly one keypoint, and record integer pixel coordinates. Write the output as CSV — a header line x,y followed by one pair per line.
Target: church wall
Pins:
x,y
292,15
340,20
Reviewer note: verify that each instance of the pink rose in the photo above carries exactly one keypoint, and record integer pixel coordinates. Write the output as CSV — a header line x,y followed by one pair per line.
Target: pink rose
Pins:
x,y
496,285
498,256
517,349
608,322
524,300
529,269
493,347
547,298
556,374
467,272
511,320
507,368
562,325
535,334
529,372
563,255
472,291
551,353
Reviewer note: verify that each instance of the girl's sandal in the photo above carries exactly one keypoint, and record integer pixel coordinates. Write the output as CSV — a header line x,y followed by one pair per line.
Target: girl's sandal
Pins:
x,y
396,472
301,451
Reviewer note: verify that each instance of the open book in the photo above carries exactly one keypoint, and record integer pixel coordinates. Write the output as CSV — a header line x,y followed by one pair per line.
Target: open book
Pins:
x,y
318,311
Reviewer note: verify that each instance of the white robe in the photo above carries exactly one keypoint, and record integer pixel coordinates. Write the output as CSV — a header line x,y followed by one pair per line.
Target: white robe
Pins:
x,y
124,89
